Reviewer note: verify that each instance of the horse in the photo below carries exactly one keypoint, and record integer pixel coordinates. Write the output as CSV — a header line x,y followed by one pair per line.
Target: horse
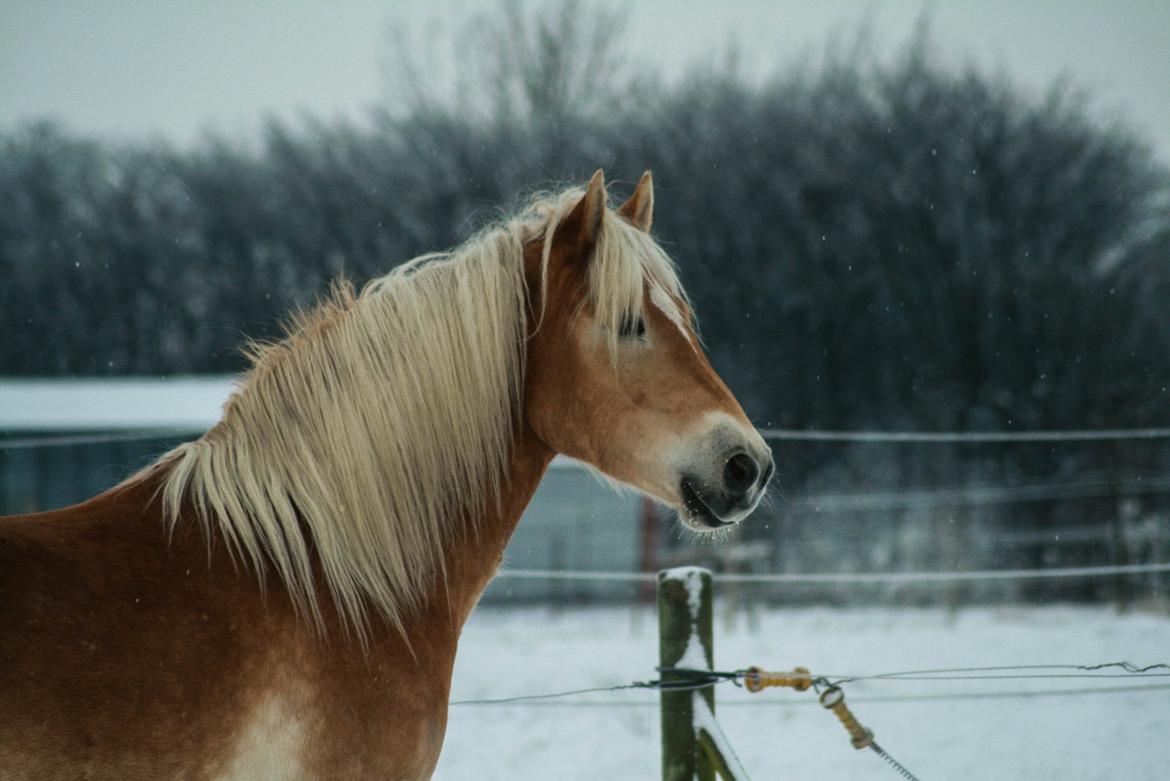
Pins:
x,y
283,597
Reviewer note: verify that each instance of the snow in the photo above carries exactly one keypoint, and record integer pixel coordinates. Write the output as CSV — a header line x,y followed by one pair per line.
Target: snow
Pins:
x,y
189,403
693,656
784,734
692,579
705,721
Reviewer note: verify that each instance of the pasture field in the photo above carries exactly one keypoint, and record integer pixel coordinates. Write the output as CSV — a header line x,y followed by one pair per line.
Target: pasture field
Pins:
x,y
780,734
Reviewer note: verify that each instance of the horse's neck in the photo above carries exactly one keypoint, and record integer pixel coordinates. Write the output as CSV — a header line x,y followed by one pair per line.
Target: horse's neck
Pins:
x,y
473,558
470,559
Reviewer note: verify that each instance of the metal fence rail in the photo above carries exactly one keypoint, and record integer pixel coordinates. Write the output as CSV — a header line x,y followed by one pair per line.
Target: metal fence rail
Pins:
x,y
853,577
779,434
1067,435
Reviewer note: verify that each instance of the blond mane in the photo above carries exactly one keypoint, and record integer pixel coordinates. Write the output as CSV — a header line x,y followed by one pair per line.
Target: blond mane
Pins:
x,y
382,424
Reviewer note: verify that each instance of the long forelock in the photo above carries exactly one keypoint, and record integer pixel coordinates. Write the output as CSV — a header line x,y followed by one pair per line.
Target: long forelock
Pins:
x,y
626,265
383,422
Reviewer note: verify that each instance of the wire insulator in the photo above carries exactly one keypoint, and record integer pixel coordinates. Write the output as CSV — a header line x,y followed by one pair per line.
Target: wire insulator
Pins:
x,y
755,679
834,699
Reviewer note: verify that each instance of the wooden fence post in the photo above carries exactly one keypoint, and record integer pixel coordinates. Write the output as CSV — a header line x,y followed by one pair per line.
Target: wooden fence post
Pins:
x,y
684,640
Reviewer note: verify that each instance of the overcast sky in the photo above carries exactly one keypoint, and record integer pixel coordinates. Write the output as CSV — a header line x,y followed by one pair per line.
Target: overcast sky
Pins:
x,y
133,67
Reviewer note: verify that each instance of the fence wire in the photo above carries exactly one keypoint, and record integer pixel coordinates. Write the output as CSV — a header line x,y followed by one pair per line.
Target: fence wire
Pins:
x,y
71,440
778,434
952,696
1113,570
1069,435
1024,672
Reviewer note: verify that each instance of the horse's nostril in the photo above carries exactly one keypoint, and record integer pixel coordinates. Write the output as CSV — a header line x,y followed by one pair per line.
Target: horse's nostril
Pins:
x,y
740,472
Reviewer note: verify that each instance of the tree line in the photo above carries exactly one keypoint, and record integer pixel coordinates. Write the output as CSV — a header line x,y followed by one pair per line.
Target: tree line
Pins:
x,y
870,242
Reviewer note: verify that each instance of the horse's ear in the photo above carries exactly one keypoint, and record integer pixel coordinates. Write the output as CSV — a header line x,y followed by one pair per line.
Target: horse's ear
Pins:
x,y
582,225
639,210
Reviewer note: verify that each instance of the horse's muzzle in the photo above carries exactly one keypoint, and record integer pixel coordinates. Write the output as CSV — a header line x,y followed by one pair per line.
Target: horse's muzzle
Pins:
x,y
708,507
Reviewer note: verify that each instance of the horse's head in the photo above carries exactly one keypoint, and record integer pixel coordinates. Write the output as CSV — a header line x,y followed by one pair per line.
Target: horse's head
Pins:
x,y
616,376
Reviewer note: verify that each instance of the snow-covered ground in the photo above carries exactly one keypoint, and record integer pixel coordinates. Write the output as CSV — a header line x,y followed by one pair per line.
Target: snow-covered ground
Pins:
x,y
781,734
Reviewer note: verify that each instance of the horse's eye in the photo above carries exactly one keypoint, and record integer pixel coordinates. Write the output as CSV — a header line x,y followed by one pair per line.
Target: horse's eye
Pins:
x,y
632,328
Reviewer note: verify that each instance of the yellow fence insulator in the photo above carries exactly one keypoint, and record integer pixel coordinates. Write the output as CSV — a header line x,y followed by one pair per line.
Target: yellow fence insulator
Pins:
x,y
755,679
834,699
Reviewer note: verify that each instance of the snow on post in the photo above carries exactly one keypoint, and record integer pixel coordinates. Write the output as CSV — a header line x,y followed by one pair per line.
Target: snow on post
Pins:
x,y
684,641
